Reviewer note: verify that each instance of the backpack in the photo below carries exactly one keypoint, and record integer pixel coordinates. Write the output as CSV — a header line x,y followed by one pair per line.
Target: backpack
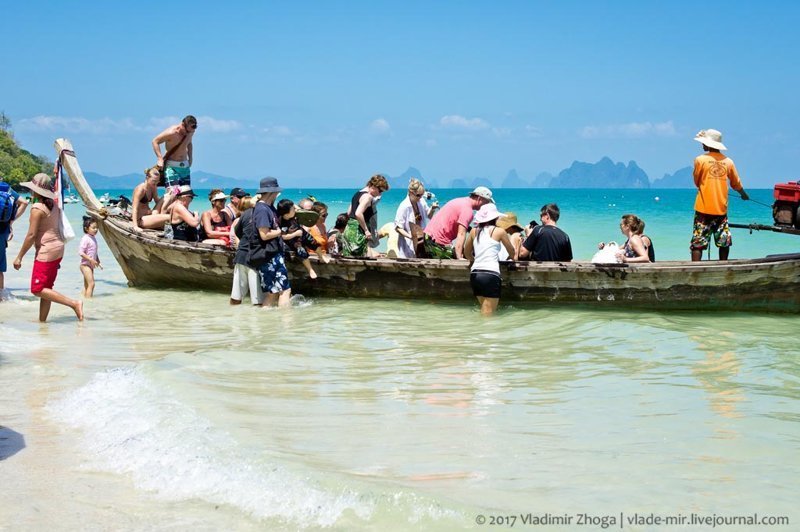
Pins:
x,y
8,203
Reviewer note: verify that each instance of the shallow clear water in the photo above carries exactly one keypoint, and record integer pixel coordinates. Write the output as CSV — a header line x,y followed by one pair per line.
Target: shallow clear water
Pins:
x,y
170,409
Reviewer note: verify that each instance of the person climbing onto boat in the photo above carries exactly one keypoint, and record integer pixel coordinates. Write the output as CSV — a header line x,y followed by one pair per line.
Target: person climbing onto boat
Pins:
x,y
412,210
446,232
638,247
712,172
184,223
266,247
361,232
215,223
177,140
45,235
546,242
482,249
246,280
296,238
142,216
90,259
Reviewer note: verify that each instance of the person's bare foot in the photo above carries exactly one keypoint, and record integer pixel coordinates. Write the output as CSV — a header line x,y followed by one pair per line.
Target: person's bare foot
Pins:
x,y
312,274
325,258
79,310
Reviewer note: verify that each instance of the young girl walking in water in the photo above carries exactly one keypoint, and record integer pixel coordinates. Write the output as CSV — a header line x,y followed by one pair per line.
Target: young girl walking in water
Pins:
x,y
89,257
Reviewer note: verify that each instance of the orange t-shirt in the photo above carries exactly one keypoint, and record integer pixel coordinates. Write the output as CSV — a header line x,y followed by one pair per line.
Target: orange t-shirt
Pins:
x,y
320,236
712,171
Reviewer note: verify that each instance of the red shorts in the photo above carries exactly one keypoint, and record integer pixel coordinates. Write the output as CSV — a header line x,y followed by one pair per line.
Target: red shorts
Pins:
x,y
44,275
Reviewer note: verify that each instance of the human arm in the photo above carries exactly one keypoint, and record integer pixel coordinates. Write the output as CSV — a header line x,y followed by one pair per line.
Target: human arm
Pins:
x,y
186,216
158,140
458,245
30,238
189,149
22,204
697,173
432,209
209,229
363,202
526,250
637,245
401,220
504,238
138,192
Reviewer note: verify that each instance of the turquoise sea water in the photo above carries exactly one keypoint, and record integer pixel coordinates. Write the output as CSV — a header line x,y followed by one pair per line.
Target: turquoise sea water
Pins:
x,y
172,410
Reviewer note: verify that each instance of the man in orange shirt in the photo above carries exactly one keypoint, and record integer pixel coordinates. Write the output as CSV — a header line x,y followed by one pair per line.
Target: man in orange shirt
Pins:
x,y
712,171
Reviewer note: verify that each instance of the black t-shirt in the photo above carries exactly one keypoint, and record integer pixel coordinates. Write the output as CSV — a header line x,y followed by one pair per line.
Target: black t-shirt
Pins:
x,y
244,230
548,243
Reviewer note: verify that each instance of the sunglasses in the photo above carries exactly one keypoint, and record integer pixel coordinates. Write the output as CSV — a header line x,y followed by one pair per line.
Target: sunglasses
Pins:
x,y
324,215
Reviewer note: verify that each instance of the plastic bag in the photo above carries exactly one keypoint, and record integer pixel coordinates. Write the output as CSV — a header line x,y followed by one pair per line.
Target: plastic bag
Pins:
x,y
607,255
65,228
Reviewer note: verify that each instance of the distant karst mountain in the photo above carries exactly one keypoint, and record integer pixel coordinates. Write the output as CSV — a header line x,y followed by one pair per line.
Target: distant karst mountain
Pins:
x,y
682,178
602,174
513,180
402,180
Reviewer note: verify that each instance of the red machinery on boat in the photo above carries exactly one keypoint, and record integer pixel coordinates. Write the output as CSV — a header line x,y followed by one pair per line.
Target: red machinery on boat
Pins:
x,y
786,209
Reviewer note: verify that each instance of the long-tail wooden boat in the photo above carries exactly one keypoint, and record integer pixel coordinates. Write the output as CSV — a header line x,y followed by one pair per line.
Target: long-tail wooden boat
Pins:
x,y
766,284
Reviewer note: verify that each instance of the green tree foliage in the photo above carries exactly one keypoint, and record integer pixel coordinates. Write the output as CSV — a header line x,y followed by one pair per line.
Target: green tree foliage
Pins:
x,y
16,164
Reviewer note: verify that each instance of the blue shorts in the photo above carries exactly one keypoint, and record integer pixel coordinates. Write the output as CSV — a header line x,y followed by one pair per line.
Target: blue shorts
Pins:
x,y
274,276
178,175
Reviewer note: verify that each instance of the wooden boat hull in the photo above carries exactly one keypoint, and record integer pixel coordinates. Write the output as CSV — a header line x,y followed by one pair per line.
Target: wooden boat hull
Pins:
x,y
769,284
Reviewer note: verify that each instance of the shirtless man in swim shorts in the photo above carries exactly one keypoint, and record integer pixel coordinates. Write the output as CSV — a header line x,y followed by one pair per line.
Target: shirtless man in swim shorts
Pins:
x,y
177,168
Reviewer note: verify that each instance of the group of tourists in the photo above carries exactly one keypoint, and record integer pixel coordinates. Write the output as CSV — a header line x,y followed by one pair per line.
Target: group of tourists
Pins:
x,y
265,235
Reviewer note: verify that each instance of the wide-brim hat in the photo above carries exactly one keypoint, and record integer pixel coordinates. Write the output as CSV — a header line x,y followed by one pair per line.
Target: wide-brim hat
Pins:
x,y
482,192
269,184
219,196
42,184
487,213
509,220
186,190
711,138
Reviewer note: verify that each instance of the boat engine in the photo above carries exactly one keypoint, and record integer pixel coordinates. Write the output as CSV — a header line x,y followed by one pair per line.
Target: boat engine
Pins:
x,y
786,209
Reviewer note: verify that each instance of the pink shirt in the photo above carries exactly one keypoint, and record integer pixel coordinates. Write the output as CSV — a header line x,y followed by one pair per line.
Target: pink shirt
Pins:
x,y
443,227
88,247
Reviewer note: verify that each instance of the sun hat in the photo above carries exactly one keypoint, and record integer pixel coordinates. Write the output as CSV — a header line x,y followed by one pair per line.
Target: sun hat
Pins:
x,y
711,138
269,184
42,184
509,220
185,190
482,192
218,196
238,192
487,213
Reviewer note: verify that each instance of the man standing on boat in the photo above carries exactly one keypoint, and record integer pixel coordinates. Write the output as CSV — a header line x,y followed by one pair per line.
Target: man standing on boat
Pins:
x,y
446,232
547,243
712,171
177,160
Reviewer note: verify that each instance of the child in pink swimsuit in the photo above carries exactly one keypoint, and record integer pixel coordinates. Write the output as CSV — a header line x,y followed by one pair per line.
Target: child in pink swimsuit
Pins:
x,y
89,258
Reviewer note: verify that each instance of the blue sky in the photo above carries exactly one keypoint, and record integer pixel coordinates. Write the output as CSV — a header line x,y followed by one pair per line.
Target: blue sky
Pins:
x,y
327,93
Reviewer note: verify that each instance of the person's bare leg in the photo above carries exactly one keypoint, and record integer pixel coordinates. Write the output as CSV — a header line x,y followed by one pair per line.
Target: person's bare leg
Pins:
x,y
48,295
285,299
723,253
697,254
324,257
489,305
270,300
310,268
88,281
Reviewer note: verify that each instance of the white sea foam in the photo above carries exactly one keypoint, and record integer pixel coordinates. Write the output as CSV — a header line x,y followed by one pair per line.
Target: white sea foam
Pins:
x,y
129,426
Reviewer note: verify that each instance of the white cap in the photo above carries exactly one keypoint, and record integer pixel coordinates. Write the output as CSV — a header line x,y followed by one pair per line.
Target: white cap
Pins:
x,y
482,192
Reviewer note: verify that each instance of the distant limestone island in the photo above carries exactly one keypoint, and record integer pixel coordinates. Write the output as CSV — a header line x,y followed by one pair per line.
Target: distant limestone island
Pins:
x,y
605,173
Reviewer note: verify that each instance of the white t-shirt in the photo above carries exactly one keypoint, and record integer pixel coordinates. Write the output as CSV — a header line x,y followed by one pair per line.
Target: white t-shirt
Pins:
x,y
404,216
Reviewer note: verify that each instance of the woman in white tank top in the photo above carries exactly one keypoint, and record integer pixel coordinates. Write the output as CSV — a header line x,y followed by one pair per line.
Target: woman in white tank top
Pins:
x,y
482,249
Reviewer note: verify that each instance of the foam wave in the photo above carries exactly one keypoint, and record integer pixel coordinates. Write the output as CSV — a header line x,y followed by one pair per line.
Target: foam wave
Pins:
x,y
131,427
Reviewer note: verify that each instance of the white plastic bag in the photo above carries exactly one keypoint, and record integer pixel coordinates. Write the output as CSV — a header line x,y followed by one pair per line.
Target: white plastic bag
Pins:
x,y
607,255
65,228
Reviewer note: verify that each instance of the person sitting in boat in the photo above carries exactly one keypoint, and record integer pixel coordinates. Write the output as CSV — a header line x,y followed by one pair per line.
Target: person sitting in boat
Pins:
x,y
446,232
638,247
546,242
215,223
336,235
318,231
185,224
482,249
232,208
295,237
412,210
516,234
361,232
143,217
246,279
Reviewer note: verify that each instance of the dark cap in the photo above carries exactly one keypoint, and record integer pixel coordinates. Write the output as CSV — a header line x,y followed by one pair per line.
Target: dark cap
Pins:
x,y
267,185
238,192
